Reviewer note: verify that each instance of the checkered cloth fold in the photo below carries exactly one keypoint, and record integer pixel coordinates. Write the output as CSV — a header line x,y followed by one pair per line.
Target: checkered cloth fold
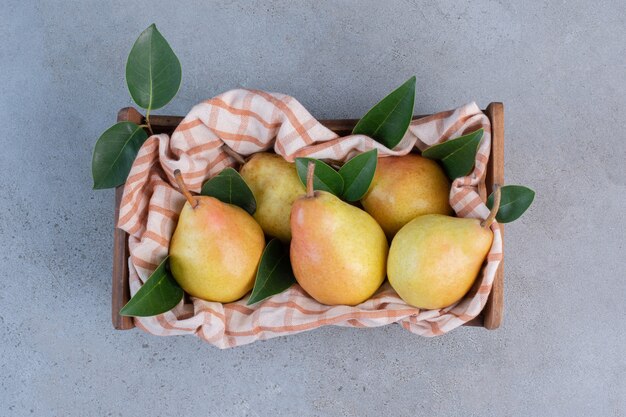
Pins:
x,y
250,121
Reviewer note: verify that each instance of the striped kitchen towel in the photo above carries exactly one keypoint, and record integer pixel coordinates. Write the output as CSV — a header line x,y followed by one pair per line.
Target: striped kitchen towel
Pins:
x,y
249,121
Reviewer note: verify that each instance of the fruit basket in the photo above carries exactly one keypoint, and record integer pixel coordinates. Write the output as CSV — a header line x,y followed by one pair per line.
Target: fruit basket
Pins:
x,y
490,317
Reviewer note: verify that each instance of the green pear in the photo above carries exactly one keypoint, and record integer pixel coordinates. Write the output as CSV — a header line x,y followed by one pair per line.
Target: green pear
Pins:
x,y
338,251
216,248
275,185
405,187
434,259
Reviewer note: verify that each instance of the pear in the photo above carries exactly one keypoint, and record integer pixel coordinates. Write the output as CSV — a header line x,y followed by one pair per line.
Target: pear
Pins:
x,y
275,185
216,248
338,252
435,259
405,187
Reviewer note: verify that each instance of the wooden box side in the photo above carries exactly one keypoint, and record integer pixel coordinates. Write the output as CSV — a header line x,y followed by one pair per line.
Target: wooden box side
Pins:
x,y
494,310
120,289
489,318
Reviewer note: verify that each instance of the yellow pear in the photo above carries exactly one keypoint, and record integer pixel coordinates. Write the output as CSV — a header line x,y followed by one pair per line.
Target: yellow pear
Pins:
x,y
434,259
275,185
405,187
215,249
338,252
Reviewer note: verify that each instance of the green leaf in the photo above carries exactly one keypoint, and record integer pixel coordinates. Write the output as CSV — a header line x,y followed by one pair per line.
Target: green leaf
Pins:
x,y
514,201
457,155
388,121
274,274
229,187
357,175
153,71
160,293
114,154
325,178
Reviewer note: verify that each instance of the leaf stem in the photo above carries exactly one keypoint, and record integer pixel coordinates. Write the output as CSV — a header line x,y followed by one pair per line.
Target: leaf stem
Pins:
x,y
310,172
183,189
233,154
148,122
494,209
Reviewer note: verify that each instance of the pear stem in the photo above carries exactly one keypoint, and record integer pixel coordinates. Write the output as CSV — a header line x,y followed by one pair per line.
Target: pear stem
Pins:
x,y
310,172
494,209
183,189
233,154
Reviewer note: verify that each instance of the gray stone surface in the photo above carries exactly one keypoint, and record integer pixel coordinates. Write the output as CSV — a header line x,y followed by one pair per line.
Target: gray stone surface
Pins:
x,y
560,68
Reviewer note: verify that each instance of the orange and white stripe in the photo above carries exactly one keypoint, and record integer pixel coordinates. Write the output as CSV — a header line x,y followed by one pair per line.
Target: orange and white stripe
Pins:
x,y
250,121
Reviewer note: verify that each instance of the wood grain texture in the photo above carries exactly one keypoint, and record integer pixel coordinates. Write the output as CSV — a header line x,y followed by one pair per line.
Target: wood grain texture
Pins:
x,y
494,310
489,318
120,288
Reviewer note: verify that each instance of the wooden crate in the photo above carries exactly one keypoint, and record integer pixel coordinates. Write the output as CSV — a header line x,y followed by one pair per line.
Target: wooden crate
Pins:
x,y
490,317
